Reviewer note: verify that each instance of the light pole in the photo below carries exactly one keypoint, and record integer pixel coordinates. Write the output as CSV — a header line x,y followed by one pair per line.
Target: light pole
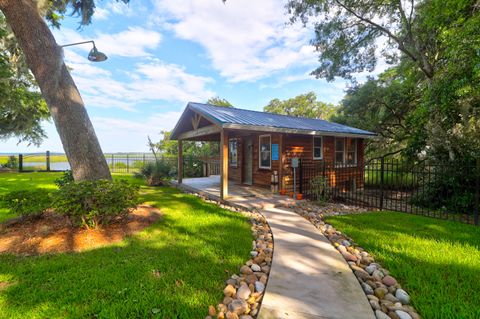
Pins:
x,y
94,55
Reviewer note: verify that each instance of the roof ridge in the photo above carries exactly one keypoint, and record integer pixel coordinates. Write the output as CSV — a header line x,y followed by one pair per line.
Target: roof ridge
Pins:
x,y
284,115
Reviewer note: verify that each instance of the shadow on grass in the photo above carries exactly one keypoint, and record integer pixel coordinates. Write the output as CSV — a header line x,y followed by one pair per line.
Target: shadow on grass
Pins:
x,y
173,269
439,289
437,261
415,225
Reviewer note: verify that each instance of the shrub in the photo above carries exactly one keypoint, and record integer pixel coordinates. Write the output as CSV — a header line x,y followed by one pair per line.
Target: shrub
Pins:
x,y
28,202
90,203
67,177
12,162
157,173
450,188
320,189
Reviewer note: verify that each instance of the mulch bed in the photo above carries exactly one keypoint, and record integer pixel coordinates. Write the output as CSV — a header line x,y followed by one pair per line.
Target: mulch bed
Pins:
x,y
52,233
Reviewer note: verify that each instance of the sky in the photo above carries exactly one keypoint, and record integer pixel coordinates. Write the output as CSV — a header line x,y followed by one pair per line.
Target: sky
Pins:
x,y
164,53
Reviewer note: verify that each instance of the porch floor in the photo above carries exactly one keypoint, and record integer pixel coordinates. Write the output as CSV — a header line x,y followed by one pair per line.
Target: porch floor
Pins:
x,y
251,196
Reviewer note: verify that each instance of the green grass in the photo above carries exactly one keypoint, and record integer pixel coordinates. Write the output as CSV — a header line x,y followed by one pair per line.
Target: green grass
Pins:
x,y
193,248
36,158
19,181
437,261
391,179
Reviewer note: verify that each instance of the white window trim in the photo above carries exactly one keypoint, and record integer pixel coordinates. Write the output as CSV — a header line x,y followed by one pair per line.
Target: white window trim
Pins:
x,y
321,147
260,151
230,152
355,159
344,162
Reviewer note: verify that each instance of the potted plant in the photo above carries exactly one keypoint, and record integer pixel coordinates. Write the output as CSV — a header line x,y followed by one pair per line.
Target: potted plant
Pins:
x,y
299,196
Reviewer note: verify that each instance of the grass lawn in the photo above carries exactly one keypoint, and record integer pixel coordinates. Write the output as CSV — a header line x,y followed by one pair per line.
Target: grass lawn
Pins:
x,y
20,181
173,269
437,261
36,158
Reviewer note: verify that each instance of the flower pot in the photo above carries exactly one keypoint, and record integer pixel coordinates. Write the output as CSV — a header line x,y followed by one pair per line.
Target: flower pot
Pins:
x,y
290,194
282,192
299,196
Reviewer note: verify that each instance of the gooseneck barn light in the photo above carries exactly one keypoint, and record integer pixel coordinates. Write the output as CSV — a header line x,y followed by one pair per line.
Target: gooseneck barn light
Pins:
x,y
94,55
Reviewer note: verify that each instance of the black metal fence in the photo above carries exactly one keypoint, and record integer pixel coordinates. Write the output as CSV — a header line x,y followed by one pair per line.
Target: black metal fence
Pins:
x,y
436,190
117,162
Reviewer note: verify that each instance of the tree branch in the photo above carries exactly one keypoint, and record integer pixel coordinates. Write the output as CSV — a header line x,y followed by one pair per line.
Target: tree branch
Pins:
x,y
423,63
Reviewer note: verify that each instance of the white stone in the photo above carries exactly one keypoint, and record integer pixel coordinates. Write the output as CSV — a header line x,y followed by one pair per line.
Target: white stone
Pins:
x,y
255,267
243,292
381,315
370,269
402,296
402,314
259,286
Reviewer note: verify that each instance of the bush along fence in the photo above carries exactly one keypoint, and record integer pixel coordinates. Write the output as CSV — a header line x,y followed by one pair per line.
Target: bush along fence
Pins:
x,y
118,163
424,188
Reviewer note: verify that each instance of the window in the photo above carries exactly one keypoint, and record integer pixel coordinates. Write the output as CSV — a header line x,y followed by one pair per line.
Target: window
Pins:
x,y
265,153
232,152
317,147
345,151
339,150
351,152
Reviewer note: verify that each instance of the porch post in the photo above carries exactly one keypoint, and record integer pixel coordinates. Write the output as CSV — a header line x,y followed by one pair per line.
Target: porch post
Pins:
x,y
180,162
223,164
280,164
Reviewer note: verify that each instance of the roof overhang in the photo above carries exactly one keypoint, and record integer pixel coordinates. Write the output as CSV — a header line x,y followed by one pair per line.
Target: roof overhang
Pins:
x,y
216,127
262,128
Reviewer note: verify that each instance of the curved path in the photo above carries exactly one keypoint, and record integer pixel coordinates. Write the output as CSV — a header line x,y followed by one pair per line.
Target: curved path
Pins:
x,y
308,278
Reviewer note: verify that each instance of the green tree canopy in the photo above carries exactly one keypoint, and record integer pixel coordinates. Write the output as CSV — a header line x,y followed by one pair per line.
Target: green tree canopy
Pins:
x,y
429,102
22,108
218,101
303,105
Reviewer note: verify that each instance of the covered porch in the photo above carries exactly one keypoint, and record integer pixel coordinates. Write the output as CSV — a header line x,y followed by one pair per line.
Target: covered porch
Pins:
x,y
241,194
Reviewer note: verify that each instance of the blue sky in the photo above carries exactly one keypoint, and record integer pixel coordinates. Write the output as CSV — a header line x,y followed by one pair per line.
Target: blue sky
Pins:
x,y
163,53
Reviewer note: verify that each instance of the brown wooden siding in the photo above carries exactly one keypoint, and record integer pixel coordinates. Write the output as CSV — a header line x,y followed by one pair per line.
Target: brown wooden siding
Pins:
x,y
300,146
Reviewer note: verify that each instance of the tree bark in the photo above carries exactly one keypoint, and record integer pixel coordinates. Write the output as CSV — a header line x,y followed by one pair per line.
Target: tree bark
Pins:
x,y
45,59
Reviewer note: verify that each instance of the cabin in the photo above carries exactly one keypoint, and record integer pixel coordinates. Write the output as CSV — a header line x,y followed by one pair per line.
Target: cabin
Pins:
x,y
259,148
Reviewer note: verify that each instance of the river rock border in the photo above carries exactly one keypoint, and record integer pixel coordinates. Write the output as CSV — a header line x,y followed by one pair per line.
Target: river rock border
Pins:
x,y
244,291
386,296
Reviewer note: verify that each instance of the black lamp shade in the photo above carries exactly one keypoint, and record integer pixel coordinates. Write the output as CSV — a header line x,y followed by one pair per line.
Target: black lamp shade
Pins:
x,y
96,56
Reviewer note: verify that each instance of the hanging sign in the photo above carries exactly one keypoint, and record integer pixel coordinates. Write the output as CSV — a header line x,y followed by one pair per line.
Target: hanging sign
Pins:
x,y
274,152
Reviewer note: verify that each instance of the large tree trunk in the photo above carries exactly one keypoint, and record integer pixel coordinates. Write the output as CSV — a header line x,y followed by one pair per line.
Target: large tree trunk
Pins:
x,y
45,59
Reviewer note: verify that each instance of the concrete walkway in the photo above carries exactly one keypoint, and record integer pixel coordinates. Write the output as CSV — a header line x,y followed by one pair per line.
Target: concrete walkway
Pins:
x,y
309,278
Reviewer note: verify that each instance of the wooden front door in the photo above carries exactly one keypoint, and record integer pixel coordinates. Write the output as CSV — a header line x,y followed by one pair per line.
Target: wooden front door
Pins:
x,y
248,162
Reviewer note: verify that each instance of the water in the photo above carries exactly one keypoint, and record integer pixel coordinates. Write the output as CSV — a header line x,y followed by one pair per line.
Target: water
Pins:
x,y
62,166
56,166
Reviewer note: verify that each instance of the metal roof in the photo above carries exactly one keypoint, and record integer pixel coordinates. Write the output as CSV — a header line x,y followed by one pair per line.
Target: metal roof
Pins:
x,y
240,118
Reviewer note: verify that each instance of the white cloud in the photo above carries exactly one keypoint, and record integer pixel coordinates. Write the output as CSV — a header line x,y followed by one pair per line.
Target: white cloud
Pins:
x,y
151,125
246,40
101,14
133,42
120,8
114,134
120,135
150,81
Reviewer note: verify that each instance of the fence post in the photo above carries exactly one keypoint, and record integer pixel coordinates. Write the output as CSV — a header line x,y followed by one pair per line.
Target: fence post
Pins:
x,y
477,192
47,156
300,176
20,162
382,173
143,159
128,164
113,165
